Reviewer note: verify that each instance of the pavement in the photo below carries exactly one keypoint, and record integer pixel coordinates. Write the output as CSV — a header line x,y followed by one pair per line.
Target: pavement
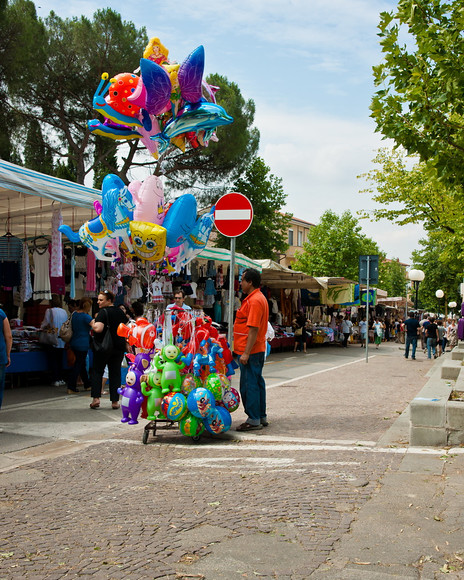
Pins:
x,y
329,490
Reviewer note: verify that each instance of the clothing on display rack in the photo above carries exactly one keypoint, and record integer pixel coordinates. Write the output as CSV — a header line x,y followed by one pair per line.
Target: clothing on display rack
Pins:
x,y
56,254
41,260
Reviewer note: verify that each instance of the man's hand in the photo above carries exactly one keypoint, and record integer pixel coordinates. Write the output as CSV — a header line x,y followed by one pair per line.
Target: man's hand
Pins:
x,y
244,358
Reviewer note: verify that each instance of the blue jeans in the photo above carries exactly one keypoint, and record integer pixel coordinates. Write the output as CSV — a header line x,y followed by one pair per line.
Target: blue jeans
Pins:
x,y
431,346
253,388
410,340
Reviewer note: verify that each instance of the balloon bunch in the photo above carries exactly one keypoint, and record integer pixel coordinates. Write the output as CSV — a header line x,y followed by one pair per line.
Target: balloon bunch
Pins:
x,y
182,384
168,235
168,104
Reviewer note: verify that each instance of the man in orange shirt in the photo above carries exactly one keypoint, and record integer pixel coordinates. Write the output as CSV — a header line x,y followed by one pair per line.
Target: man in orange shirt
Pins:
x,y
250,329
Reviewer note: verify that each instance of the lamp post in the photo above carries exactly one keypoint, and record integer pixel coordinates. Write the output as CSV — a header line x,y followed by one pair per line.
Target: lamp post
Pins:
x,y
439,294
416,277
452,305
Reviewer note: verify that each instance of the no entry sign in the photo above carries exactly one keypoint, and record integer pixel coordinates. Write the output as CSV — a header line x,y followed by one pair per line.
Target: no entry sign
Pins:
x,y
233,214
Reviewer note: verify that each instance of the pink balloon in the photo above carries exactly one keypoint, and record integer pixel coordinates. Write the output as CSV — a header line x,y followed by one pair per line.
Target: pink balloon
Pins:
x,y
149,201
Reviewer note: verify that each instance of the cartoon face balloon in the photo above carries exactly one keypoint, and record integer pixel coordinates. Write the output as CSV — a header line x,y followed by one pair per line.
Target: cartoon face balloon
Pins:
x,y
148,241
122,86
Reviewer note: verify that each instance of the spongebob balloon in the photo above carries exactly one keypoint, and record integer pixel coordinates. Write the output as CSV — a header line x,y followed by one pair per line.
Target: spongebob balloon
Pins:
x,y
148,241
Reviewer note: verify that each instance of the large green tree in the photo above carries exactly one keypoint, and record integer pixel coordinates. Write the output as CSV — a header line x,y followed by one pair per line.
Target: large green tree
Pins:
x,y
73,53
333,247
440,274
267,235
392,277
420,101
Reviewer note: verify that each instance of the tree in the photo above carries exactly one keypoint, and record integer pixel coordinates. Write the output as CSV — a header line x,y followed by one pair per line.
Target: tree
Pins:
x,y
420,103
37,155
333,247
267,235
392,277
415,195
73,55
439,274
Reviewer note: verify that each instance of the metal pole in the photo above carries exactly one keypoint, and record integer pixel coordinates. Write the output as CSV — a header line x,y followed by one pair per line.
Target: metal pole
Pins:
x,y
417,295
367,308
230,316
406,308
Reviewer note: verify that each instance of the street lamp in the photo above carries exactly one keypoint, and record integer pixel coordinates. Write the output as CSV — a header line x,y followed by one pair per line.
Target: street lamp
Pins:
x,y
452,305
416,277
439,294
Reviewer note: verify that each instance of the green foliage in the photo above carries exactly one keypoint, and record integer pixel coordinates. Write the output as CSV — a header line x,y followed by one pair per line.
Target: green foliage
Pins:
x,y
218,165
440,274
420,101
267,235
392,277
37,154
333,247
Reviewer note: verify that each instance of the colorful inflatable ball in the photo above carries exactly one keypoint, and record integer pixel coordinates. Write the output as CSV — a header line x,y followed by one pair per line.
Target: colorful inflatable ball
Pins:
x,y
191,426
201,402
219,421
174,406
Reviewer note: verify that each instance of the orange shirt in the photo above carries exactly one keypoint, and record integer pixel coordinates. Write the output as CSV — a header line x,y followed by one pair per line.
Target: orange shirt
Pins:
x,y
254,311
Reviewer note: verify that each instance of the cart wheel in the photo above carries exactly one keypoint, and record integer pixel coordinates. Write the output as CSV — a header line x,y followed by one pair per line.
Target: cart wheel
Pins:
x,y
196,438
145,437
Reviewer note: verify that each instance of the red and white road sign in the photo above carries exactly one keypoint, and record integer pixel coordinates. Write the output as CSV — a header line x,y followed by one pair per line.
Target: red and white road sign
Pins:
x,y
233,214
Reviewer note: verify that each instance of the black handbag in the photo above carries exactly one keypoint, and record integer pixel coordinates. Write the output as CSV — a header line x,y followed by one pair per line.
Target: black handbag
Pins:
x,y
106,345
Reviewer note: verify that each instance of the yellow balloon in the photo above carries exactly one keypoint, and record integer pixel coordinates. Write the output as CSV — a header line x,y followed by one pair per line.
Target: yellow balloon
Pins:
x,y
148,241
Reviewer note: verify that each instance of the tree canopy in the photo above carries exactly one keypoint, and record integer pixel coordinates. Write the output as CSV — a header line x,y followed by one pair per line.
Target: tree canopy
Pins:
x,y
392,277
333,247
267,235
56,88
420,101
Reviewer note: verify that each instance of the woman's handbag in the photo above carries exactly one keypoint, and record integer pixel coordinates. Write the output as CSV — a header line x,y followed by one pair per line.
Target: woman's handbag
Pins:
x,y
299,331
106,345
48,335
66,330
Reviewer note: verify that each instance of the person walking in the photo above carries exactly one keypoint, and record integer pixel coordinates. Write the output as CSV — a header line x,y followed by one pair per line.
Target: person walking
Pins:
x,y
80,344
412,328
441,337
432,338
363,331
451,334
54,317
6,341
107,320
378,332
347,329
299,331
250,328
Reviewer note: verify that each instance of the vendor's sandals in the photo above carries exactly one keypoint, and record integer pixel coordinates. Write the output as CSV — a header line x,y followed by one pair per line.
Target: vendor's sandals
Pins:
x,y
94,405
115,406
249,427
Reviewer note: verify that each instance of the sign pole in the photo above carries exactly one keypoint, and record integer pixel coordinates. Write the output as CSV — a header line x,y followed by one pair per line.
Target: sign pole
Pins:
x,y
367,310
230,315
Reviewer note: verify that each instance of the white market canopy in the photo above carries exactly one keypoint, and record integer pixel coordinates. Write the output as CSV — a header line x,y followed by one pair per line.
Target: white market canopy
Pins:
x,y
223,255
28,199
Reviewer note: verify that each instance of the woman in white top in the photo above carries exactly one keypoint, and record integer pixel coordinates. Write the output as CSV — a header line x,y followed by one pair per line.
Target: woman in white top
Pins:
x,y
55,316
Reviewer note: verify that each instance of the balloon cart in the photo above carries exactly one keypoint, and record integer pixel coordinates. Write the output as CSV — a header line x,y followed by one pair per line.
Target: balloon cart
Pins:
x,y
152,426
183,377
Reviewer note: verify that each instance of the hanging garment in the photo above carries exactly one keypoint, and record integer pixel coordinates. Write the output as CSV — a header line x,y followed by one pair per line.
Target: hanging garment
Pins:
x,y
72,289
57,283
156,292
41,259
91,282
56,256
210,290
26,286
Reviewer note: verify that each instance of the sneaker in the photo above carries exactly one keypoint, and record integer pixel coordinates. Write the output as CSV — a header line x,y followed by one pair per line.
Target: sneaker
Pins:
x,y
249,427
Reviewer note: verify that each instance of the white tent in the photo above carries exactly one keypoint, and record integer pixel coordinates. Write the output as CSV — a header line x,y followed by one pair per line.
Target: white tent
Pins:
x,y
28,199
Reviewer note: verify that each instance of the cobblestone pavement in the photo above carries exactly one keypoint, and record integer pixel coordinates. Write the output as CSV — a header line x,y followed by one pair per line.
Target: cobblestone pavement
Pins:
x,y
123,510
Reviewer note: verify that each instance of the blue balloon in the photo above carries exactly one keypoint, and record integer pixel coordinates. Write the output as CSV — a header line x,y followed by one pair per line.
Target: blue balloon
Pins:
x,y
200,402
219,421
180,220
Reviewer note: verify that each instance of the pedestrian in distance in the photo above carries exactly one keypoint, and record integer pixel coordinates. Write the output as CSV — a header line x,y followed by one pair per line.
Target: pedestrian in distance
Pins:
x,y
6,342
412,329
80,344
347,329
54,317
363,331
432,338
250,330
107,320
441,337
299,332
378,332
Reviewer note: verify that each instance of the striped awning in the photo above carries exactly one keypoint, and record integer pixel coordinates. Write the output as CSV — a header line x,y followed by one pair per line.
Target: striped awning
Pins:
x,y
223,255
28,199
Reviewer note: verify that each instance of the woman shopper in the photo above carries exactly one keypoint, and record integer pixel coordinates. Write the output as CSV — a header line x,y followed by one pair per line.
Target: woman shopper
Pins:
x,y
378,332
107,321
6,341
54,317
80,344
299,329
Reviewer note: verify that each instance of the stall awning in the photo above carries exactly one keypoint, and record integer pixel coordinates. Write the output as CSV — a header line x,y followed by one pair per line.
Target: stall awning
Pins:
x,y
223,255
275,275
28,199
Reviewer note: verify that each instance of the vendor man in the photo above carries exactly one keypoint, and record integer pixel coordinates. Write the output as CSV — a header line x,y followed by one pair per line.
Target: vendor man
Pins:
x,y
179,297
250,329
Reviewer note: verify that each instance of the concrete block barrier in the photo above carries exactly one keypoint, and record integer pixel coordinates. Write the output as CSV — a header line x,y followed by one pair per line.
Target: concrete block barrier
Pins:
x,y
450,369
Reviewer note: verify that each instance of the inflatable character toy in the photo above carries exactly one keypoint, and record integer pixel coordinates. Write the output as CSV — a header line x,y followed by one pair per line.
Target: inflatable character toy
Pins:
x,y
131,397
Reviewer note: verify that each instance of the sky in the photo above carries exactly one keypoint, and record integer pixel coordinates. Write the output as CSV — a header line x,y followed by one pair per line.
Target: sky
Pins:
x,y
307,64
